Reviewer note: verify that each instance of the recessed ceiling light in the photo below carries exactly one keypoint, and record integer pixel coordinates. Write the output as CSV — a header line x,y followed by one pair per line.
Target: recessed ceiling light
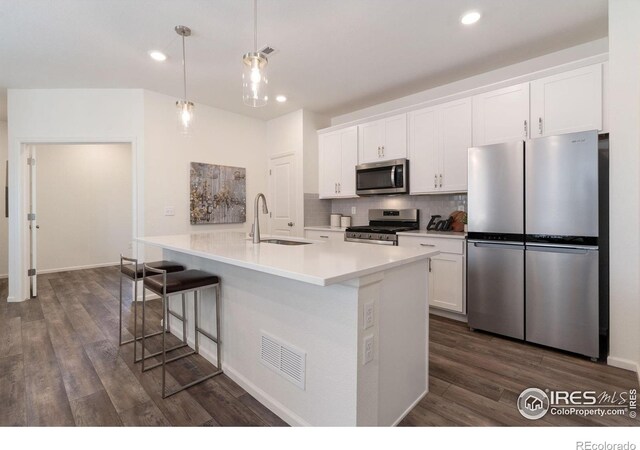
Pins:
x,y
470,17
157,56
281,99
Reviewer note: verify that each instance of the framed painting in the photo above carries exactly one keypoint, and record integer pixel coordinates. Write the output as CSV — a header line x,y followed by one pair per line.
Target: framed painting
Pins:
x,y
218,194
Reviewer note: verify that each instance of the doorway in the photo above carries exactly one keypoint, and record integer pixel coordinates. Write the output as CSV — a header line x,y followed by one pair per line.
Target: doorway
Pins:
x,y
80,207
282,188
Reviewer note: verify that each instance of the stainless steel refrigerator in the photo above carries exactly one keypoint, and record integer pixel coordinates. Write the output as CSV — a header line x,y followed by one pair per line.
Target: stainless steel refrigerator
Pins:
x,y
538,241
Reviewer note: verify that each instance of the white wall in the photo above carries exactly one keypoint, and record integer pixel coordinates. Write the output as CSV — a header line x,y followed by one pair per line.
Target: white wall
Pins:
x,y
567,59
311,122
66,116
624,71
218,137
84,204
4,222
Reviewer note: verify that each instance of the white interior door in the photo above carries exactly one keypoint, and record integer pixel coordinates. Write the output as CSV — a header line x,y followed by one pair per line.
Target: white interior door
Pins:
x,y
282,202
32,224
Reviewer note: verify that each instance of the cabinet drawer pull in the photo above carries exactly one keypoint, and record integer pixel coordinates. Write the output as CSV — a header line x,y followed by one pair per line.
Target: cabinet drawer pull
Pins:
x,y
435,181
525,129
440,180
324,237
429,264
428,245
540,124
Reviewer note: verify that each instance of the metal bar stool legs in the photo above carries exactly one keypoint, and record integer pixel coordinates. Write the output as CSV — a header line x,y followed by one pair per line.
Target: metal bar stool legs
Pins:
x,y
182,283
132,272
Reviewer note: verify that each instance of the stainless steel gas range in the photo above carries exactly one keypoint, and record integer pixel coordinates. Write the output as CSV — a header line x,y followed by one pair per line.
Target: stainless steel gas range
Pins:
x,y
383,226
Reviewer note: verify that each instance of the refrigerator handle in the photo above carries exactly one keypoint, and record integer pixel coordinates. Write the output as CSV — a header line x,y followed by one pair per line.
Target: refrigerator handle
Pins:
x,y
572,250
500,244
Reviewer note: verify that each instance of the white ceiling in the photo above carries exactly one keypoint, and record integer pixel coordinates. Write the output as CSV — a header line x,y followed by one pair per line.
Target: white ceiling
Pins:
x,y
334,56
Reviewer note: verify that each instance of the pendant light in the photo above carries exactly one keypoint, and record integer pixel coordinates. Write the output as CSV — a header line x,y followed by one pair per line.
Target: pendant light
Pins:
x,y
185,108
254,74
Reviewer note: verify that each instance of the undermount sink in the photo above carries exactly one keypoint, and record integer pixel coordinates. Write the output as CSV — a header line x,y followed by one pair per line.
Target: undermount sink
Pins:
x,y
284,242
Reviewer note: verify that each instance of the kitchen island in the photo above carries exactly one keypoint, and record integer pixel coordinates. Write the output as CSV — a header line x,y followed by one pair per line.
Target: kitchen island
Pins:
x,y
328,333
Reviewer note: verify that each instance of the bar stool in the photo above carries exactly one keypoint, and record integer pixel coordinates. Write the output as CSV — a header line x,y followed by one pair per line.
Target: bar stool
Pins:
x,y
165,285
131,269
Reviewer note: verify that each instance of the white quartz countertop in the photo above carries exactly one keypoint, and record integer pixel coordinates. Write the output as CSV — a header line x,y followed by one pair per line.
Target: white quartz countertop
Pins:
x,y
435,234
326,228
320,263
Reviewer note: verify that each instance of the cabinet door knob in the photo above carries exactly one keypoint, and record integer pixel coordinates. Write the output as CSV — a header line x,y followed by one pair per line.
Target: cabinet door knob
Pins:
x,y
290,224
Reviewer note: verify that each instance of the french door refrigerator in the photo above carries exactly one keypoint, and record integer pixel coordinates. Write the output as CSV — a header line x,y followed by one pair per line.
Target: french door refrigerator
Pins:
x,y
556,289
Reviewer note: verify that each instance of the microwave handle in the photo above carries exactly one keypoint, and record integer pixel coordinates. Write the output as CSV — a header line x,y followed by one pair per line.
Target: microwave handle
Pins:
x,y
393,175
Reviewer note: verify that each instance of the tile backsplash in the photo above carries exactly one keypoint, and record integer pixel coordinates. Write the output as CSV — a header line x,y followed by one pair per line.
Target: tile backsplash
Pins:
x,y
317,211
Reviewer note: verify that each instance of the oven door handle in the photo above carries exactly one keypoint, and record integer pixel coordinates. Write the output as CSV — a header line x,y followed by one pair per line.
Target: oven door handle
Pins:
x,y
393,175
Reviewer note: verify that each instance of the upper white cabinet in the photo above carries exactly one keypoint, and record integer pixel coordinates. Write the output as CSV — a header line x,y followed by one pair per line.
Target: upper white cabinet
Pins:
x,y
439,138
567,102
338,157
501,115
383,139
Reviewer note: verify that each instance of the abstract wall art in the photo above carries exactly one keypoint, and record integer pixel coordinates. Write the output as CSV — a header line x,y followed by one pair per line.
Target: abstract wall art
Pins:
x,y
218,194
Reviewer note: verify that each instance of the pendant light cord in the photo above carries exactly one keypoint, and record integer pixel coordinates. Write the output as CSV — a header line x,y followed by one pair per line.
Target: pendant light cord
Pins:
x,y
184,69
255,25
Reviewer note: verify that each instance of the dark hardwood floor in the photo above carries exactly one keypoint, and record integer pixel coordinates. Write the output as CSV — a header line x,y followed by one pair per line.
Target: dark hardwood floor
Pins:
x,y
60,365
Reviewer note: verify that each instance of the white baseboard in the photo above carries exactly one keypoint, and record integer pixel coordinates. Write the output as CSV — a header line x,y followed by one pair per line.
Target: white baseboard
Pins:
x,y
408,410
276,407
448,314
626,364
67,269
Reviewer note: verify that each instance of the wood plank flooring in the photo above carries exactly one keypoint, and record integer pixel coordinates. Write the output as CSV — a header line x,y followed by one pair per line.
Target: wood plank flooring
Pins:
x,y
60,365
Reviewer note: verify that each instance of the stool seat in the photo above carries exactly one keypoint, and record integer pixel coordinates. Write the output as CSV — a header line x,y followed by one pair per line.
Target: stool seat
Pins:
x,y
181,281
135,270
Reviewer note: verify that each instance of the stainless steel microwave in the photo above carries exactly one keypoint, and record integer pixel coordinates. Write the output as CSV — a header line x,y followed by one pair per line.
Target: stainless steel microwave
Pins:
x,y
386,177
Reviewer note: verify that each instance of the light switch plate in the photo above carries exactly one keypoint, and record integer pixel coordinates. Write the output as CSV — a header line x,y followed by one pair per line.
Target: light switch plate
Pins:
x,y
368,349
460,208
368,315
169,211
353,210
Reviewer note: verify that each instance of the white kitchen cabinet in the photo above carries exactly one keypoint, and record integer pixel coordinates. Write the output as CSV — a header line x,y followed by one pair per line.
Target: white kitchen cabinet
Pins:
x,y
324,235
501,115
338,157
568,102
439,138
447,271
383,139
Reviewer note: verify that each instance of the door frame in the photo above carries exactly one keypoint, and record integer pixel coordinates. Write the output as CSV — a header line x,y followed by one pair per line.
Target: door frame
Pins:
x,y
19,204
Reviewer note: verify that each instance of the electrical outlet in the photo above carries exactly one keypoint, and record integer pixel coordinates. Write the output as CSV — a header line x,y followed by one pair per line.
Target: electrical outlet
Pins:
x,y
368,349
353,210
169,211
368,315
460,207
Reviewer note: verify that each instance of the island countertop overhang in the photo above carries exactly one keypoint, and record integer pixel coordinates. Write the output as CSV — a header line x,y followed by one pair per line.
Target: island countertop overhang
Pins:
x,y
319,263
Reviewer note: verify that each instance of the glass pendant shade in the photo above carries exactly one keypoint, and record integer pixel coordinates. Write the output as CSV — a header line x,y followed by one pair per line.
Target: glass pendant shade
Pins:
x,y
185,110
254,79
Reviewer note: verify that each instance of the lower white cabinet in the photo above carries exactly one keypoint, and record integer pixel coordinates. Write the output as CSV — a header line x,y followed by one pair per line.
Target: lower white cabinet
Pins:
x,y
324,235
447,271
